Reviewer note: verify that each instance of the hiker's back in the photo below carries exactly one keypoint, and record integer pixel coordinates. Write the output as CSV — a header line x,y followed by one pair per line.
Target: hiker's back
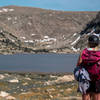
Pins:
x,y
91,61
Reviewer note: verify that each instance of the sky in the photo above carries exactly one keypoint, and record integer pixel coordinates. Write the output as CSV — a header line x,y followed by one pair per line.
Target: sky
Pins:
x,y
64,5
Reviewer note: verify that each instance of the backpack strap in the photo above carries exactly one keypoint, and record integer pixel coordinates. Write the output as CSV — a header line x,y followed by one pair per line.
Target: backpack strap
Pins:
x,y
79,59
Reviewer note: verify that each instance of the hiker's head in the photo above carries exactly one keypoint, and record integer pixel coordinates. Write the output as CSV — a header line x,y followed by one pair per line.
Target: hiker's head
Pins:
x,y
93,41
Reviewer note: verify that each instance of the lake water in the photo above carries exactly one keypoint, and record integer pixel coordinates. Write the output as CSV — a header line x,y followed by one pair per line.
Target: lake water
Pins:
x,y
38,62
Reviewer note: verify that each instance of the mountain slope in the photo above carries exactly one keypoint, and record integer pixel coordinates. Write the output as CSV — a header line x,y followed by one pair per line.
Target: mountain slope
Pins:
x,y
93,27
42,30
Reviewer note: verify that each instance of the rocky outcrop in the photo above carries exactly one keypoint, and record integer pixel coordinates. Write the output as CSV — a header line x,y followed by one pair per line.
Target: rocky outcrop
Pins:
x,y
93,27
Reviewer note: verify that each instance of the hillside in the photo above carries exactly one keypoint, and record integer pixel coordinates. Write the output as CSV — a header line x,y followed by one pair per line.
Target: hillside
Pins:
x,y
93,27
35,30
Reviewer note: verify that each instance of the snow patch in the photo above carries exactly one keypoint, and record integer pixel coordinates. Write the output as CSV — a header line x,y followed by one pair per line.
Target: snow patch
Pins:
x,y
30,41
46,37
48,46
54,51
13,40
37,40
26,41
74,49
97,34
23,37
74,34
9,18
6,10
11,9
52,76
75,41
64,37
33,34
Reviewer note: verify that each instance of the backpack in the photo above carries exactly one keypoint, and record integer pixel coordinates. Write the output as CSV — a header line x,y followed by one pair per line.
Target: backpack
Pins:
x,y
81,74
91,62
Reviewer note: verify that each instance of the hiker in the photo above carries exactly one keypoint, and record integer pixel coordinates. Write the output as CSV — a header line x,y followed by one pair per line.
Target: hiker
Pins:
x,y
89,59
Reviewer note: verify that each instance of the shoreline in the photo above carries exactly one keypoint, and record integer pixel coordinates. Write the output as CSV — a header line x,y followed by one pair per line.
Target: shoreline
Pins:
x,y
32,86
39,53
44,73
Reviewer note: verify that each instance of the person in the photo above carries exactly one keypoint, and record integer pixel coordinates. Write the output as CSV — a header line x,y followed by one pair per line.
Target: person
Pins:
x,y
90,59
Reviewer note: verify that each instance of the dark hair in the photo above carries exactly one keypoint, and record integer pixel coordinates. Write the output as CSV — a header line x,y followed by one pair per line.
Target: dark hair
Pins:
x,y
93,41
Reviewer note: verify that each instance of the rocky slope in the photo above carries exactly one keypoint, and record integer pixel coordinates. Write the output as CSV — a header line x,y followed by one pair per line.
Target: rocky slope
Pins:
x,y
93,27
35,30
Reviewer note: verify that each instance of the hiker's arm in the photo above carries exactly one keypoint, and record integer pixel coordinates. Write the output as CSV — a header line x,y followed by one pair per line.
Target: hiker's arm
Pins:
x,y
79,60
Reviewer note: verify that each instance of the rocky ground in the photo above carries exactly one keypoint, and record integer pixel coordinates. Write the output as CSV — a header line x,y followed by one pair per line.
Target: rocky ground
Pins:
x,y
38,86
